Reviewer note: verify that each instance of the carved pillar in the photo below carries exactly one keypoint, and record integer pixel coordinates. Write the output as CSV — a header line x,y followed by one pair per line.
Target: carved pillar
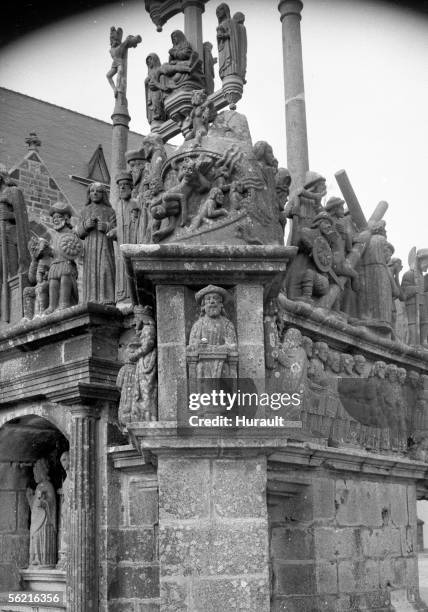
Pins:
x,y
193,10
121,119
295,111
82,575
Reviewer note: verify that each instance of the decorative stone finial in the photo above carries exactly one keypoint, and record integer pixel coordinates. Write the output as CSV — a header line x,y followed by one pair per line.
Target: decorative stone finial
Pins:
x,y
33,141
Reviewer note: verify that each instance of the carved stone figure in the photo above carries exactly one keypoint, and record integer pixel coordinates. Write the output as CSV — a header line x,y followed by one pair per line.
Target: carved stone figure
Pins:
x,y
232,53
137,379
360,365
308,345
210,209
316,370
66,247
42,502
155,108
414,286
64,515
347,364
118,52
209,63
241,34
283,182
127,228
306,204
341,241
170,204
293,361
184,68
97,227
202,113
14,238
395,266
374,298
212,341
41,259
307,276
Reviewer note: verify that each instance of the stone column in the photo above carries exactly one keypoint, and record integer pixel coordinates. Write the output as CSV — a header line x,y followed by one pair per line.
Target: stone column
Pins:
x,y
82,575
249,328
121,119
193,10
295,111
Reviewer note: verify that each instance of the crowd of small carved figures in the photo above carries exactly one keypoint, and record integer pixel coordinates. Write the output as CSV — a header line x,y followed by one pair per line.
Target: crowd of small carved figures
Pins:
x,y
220,188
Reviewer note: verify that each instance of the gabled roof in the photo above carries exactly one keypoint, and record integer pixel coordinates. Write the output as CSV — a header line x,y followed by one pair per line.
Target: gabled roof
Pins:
x,y
70,140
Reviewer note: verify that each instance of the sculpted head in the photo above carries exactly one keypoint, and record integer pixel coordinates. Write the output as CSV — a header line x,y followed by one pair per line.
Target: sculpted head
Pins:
x,y
178,38
41,470
413,379
389,251
321,351
263,152
359,364
115,36
402,375
211,300
97,194
334,361
223,11
292,338
347,363
308,345
391,372
199,97
217,195
379,369
239,17
153,61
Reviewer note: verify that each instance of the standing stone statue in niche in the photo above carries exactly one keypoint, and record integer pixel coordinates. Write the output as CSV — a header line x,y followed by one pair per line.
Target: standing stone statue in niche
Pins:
x,y
137,379
414,286
127,229
42,502
14,238
306,204
154,93
212,343
118,52
66,247
97,227
64,514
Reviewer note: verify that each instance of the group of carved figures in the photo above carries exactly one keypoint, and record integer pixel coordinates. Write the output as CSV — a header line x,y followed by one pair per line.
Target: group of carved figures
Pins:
x,y
347,399
49,524
350,269
186,71
211,354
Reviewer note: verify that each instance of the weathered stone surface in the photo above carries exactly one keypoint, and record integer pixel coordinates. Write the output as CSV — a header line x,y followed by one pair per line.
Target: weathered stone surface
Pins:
x,y
381,542
239,489
174,597
184,488
136,545
240,594
293,544
298,579
333,543
9,511
143,504
135,582
215,549
356,576
14,549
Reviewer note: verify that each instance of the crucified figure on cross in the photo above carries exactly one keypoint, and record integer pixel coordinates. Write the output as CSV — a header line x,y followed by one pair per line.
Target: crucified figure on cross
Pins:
x,y
119,54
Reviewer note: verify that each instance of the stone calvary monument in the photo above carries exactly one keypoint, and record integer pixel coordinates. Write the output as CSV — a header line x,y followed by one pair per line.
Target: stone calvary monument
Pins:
x,y
175,279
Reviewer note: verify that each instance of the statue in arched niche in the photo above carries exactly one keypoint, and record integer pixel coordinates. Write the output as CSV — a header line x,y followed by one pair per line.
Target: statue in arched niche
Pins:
x,y
42,502
64,514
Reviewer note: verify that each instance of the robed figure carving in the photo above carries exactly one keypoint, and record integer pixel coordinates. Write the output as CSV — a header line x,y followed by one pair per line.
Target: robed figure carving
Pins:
x,y
154,91
184,68
42,502
97,227
232,43
212,343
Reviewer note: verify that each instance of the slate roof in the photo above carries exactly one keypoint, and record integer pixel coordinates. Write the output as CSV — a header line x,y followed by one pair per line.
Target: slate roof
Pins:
x,y
69,139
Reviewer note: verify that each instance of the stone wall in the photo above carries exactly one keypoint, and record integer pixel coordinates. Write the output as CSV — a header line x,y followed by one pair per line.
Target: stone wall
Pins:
x,y
132,545
345,543
213,545
14,524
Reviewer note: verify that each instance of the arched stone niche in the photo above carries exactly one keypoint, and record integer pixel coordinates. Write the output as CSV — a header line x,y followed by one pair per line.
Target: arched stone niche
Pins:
x,y
24,440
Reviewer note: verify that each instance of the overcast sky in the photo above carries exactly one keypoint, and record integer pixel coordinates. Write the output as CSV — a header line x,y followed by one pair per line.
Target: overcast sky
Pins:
x,y
366,82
